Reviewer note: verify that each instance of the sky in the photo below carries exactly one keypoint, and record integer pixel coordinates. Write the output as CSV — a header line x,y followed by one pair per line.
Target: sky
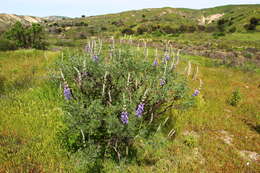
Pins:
x,y
76,8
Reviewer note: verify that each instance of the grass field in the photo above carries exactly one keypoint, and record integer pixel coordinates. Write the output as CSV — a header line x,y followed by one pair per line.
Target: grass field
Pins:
x,y
30,116
211,137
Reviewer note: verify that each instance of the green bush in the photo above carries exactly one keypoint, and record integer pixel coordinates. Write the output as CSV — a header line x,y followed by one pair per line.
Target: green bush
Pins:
x,y
27,36
7,45
127,31
235,98
232,29
111,101
141,30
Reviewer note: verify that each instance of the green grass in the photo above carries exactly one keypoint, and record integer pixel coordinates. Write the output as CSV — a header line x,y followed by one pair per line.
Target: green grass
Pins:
x,y
30,115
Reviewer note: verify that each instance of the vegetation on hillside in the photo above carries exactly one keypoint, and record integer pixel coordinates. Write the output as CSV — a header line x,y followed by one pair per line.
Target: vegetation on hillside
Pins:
x,y
140,95
27,36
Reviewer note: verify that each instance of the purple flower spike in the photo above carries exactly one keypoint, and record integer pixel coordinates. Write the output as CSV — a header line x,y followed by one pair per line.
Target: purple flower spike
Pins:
x,y
139,111
167,58
95,58
196,93
162,82
155,62
124,117
87,49
67,92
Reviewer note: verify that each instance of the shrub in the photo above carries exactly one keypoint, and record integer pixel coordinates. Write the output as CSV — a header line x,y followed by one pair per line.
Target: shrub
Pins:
x,y
141,30
235,98
232,29
27,36
118,23
112,101
169,30
103,28
250,27
201,27
7,45
127,31
183,28
191,29
254,21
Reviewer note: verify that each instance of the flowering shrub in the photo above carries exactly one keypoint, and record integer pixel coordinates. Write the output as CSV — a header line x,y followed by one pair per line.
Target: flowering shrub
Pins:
x,y
113,96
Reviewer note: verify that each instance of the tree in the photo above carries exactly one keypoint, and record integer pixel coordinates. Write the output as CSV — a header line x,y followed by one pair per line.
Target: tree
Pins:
x,y
27,36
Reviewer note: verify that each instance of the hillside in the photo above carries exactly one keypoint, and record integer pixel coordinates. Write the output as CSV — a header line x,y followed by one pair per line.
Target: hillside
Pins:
x,y
6,20
235,17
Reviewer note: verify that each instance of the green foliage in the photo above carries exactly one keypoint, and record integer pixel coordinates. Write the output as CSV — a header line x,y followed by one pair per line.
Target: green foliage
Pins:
x,y
104,88
250,27
128,31
252,24
141,30
235,98
27,36
232,29
2,84
7,45
190,141
218,34
64,43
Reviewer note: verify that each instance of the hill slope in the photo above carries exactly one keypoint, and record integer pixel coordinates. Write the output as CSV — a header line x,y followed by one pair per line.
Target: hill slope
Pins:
x,y
234,16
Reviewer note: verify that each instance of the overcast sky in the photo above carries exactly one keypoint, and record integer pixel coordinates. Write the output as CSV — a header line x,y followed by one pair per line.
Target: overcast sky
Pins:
x,y
75,8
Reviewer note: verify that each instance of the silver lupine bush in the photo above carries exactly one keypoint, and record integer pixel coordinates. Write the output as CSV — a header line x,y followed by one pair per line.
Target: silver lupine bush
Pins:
x,y
118,98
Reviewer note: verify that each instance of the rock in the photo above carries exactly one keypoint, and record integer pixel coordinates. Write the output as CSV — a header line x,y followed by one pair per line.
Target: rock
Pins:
x,y
226,137
249,155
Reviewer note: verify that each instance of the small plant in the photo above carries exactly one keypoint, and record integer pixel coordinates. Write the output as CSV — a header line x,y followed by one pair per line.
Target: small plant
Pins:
x,y
235,98
190,141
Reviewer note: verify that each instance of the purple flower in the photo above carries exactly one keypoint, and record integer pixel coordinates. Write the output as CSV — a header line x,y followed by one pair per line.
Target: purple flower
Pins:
x,y
87,49
167,58
67,92
95,58
140,109
162,82
196,93
155,62
124,117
